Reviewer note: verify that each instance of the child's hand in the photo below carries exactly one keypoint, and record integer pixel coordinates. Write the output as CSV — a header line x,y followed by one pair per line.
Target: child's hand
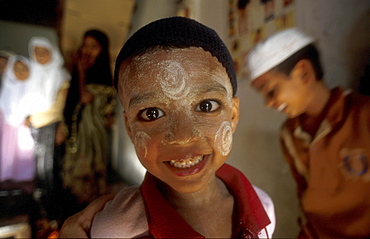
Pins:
x,y
79,225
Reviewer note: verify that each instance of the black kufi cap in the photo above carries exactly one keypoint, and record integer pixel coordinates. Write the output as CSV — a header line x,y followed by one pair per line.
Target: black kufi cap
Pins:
x,y
178,32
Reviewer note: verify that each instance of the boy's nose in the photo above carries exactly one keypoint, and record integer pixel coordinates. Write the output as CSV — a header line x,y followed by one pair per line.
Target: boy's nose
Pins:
x,y
269,102
182,132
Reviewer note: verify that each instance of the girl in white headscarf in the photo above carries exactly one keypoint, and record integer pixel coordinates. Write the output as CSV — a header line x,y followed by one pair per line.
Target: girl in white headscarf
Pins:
x,y
16,144
47,126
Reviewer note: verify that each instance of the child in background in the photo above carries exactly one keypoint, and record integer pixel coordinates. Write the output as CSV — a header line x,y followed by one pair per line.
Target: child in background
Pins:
x,y
177,84
17,161
47,127
52,86
326,140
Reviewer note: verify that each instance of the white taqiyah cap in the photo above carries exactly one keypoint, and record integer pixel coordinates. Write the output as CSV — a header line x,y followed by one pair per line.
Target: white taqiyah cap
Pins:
x,y
275,49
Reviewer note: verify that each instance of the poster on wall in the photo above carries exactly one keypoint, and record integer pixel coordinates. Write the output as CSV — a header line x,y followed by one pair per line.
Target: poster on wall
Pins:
x,y
251,21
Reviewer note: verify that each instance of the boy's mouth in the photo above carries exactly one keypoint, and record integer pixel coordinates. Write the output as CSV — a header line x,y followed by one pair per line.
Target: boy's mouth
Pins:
x,y
186,163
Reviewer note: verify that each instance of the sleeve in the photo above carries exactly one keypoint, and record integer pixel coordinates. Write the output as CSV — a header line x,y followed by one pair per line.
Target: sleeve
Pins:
x,y
270,210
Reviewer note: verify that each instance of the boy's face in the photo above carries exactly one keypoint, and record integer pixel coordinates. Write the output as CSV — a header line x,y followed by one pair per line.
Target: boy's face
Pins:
x,y
21,71
287,94
180,114
42,55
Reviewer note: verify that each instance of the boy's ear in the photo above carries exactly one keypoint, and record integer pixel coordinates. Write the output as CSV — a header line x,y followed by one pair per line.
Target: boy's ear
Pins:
x,y
305,71
235,112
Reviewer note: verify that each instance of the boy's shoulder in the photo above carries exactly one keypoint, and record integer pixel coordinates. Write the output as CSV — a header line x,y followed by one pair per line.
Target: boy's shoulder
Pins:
x,y
349,105
358,110
124,216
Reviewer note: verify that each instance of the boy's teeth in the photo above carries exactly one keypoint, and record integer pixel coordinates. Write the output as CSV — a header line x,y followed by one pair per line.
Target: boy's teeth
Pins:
x,y
282,107
186,163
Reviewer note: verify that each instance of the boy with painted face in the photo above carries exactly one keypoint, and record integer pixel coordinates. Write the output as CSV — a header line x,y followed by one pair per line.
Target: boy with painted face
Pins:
x,y
177,85
326,140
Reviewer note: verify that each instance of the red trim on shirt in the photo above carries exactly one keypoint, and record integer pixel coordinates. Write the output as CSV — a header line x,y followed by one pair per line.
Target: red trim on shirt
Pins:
x,y
165,222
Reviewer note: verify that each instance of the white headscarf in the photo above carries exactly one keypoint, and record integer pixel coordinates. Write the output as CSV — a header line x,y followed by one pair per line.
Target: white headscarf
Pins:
x,y
51,75
6,53
14,101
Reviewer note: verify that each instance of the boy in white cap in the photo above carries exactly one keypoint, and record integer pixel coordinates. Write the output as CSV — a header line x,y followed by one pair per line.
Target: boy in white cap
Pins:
x,y
326,138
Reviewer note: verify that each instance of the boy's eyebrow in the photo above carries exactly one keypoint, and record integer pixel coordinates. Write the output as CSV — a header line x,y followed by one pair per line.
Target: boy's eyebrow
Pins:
x,y
216,87
141,97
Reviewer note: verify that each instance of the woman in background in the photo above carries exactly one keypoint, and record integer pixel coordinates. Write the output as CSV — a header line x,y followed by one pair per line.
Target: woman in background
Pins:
x,y
88,115
17,161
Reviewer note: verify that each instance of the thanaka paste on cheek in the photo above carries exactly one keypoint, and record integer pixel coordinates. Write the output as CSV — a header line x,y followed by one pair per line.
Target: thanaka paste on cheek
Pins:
x,y
224,138
140,143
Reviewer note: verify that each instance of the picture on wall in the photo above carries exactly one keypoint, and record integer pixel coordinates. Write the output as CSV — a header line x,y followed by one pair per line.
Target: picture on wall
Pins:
x,y
251,21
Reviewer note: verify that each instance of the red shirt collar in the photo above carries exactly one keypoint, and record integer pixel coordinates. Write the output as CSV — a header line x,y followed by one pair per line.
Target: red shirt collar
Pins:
x,y
165,222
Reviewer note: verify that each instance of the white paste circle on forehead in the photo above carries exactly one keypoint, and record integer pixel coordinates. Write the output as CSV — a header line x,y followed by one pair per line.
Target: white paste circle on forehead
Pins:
x,y
224,138
173,79
140,142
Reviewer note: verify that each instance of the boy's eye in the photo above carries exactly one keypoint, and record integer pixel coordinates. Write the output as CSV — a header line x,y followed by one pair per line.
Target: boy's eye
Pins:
x,y
151,114
208,106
